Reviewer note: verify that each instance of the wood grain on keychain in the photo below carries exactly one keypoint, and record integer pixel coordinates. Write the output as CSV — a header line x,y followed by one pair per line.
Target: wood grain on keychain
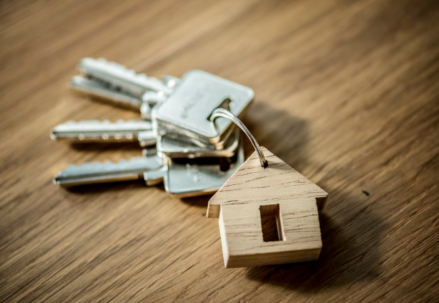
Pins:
x,y
346,93
268,216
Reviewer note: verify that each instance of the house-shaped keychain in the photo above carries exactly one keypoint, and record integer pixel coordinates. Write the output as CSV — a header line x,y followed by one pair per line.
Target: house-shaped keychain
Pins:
x,y
267,215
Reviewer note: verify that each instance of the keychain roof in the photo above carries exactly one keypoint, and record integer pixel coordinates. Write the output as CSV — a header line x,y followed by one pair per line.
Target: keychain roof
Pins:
x,y
268,212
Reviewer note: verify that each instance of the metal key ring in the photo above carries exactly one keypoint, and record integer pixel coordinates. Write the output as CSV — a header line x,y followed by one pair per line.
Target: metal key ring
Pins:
x,y
221,112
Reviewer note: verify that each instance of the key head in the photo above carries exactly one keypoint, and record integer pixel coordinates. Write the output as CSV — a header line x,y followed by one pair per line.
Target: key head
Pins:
x,y
174,148
191,178
197,95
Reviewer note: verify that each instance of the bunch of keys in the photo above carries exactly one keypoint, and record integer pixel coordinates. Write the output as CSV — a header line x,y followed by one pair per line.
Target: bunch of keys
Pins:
x,y
267,211
182,147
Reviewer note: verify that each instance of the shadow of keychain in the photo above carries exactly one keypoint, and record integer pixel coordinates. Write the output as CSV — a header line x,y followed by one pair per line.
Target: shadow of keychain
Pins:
x,y
268,212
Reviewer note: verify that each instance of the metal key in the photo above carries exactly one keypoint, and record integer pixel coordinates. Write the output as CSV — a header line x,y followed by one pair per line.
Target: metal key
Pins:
x,y
184,179
106,131
95,131
121,86
103,172
104,91
187,110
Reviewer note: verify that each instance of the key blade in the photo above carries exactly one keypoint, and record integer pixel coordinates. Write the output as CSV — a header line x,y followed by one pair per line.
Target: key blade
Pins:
x,y
121,77
104,172
105,131
104,92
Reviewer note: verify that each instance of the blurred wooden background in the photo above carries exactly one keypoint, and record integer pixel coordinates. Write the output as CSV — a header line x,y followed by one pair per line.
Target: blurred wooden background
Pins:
x,y
346,92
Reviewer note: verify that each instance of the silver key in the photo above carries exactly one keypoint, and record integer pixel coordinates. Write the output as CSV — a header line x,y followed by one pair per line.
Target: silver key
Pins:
x,y
121,86
187,110
138,131
102,172
118,76
106,131
180,178
103,91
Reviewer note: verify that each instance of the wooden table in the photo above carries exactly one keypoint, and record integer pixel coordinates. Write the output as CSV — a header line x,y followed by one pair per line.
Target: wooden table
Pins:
x,y
346,92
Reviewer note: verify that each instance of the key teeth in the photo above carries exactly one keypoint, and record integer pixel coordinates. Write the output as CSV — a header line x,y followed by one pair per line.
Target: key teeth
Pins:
x,y
99,172
120,121
106,63
105,122
97,165
72,122
85,64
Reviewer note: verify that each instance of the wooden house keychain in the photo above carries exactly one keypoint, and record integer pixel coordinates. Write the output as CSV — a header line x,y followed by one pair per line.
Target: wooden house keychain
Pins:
x,y
268,212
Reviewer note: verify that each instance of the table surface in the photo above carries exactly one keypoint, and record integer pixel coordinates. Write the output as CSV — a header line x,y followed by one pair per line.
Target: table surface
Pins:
x,y
346,93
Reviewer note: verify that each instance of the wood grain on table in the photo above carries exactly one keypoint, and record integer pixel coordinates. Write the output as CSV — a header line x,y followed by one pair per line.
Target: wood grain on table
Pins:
x,y
347,93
